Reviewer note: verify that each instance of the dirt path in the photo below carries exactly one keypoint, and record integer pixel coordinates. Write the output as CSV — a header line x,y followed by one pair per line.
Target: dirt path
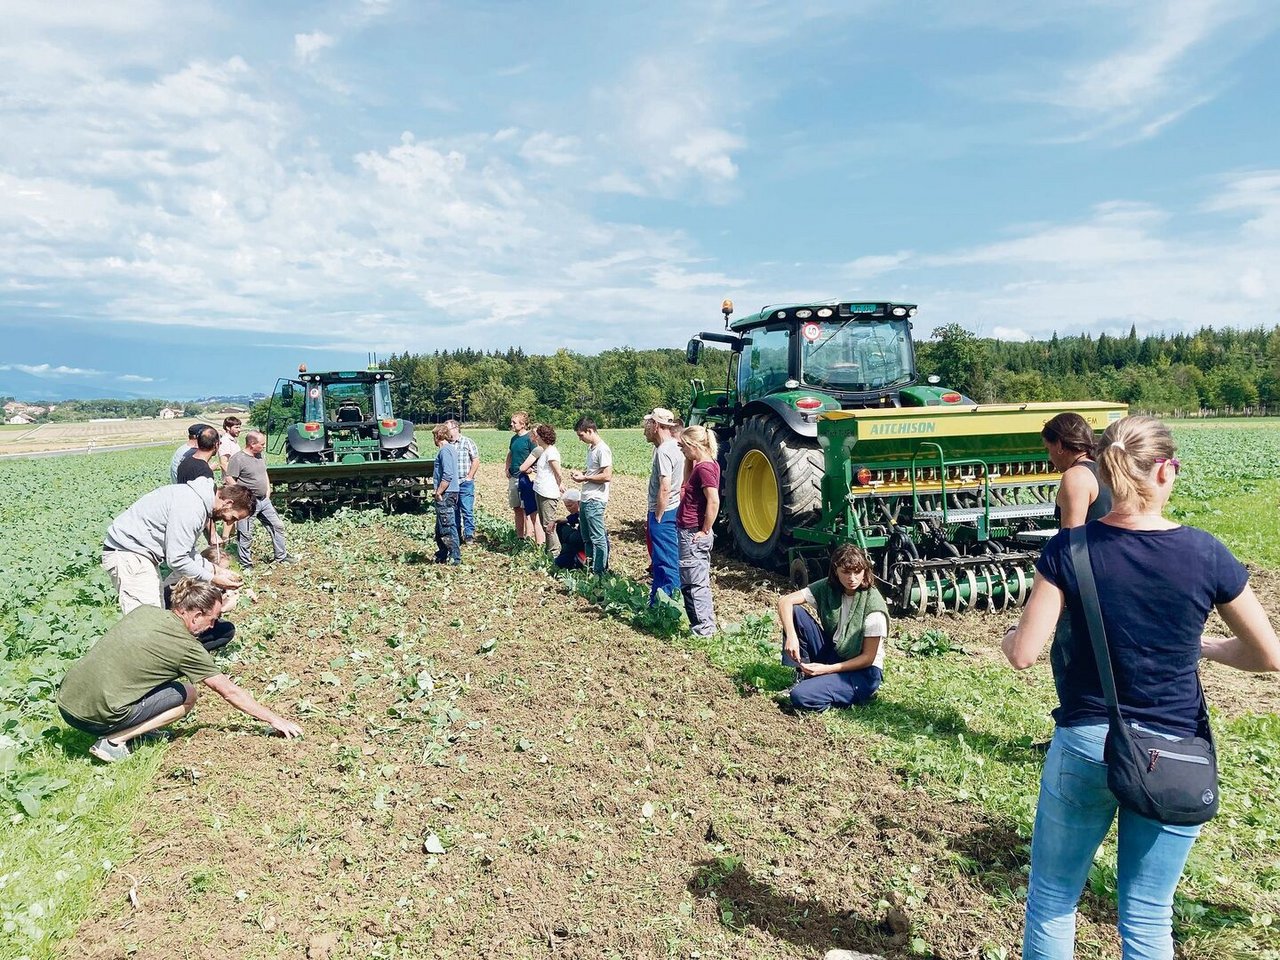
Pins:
x,y
595,792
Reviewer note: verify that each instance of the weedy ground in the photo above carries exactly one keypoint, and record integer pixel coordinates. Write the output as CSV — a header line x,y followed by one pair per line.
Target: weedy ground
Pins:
x,y
498,762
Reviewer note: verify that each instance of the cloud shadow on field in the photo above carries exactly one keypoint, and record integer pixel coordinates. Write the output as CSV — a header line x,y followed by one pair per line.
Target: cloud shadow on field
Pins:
x,y
740,899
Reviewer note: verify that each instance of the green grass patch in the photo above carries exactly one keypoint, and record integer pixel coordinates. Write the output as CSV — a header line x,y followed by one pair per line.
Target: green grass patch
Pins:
x,y
52,864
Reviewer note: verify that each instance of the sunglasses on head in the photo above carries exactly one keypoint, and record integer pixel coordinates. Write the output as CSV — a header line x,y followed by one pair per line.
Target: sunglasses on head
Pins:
x,y
1177,464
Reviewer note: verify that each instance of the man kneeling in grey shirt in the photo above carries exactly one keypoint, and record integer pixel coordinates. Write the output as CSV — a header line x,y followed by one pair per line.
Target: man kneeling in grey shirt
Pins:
x,y
248,469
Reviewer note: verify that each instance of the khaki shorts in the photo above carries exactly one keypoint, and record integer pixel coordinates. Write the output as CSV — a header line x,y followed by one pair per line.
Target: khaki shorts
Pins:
x,y
135,577
548,509
513,493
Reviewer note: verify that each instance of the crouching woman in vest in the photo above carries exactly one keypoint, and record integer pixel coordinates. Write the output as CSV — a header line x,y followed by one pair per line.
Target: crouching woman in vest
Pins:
x,y
838,656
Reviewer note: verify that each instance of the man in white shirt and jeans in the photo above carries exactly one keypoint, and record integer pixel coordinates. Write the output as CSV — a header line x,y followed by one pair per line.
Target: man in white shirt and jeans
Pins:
x,y
595,494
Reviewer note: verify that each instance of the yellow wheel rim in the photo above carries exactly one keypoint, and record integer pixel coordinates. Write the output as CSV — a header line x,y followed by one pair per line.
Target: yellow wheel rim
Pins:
x,y
757,489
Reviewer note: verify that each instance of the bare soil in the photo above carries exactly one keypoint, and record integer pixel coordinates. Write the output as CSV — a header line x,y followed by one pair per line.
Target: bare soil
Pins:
x,y
596,793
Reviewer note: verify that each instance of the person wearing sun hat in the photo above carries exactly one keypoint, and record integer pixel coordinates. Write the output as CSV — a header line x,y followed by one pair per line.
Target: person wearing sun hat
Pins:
x,y
572,554
665,479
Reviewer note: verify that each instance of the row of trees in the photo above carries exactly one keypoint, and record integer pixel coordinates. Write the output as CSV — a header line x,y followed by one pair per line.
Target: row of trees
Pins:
x,y
616,387
1233,369
1218,369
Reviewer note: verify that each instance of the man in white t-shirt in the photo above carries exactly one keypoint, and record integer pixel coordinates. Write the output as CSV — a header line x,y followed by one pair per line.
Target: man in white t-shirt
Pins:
x,y
229,446
595,493
665,480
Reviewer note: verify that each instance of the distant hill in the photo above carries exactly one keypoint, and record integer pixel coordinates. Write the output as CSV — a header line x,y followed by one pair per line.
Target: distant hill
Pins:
x,y
241,400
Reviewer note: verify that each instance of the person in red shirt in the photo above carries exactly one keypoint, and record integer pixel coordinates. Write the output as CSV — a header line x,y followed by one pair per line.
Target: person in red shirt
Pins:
x,y
695,518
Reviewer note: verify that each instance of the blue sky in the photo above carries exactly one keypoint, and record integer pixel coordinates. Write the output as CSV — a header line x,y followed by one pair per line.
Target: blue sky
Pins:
x,y
196,197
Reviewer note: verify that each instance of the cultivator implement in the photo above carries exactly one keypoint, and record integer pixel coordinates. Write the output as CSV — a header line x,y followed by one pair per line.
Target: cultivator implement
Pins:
x,y
308,490
952,503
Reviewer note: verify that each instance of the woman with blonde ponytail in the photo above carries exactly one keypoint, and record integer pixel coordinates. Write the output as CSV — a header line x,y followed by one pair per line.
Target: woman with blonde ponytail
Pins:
x,y
1157,582
695,518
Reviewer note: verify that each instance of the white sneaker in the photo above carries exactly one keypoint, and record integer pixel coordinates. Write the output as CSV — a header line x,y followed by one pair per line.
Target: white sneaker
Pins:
x,y
109,752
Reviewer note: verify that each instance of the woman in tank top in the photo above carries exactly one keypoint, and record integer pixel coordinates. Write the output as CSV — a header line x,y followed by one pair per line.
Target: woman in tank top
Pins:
x,y
1069,440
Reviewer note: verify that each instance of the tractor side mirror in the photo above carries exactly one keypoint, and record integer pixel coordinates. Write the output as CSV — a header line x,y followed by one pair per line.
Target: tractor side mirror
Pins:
x,y
286,393
693,351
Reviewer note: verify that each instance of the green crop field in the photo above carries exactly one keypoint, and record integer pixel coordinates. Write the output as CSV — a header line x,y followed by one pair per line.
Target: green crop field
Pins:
x,y
498,756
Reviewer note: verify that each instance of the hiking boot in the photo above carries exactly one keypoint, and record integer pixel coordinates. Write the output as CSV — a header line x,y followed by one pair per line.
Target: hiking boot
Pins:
x,y
109,752
287,558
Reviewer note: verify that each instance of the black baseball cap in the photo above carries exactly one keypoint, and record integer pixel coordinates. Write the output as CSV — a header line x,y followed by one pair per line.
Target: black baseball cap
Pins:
x,y
195,428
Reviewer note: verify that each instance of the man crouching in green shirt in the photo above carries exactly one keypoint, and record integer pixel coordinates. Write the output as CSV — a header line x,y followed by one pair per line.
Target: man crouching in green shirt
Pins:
x,y
127,683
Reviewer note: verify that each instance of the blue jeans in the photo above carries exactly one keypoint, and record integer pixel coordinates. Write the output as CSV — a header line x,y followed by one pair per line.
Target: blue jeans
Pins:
x,y
1073,816
467,508
845,689
664,551
447,546
595,539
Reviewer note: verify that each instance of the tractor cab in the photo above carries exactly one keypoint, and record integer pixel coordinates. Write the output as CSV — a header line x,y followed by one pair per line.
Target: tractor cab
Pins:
x,y
797,361
347,417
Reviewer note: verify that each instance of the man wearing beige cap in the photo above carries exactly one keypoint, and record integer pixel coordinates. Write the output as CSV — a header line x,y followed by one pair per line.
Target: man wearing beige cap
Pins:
x,y
665,480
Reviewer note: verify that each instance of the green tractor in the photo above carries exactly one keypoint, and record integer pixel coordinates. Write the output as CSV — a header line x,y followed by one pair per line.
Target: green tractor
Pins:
x,y
827,435
348,448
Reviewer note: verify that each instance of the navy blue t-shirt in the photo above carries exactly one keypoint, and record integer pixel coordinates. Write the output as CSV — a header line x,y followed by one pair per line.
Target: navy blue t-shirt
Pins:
x,y
1156,589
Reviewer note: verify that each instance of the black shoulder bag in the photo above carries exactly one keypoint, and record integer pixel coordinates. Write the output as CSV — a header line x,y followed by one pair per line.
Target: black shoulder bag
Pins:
x,y
1172,781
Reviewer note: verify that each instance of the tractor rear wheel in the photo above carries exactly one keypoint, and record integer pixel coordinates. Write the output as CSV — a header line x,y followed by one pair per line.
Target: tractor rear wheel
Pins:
x,y
773,485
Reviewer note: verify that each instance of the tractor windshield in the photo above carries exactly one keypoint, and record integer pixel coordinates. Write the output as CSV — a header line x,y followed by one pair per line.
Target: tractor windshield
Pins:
x,y
856,355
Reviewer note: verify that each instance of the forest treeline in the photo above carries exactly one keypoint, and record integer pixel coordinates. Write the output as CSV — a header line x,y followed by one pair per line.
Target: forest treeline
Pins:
x,y
1222,369
1218,369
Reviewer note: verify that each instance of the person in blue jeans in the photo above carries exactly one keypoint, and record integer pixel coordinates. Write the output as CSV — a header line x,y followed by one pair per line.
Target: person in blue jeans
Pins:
x,y
839,655
595,479
665,481
445,480
468,464
1157,583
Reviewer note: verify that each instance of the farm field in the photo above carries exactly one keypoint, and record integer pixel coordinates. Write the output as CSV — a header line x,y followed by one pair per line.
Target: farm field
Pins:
x,y
47,437
500,763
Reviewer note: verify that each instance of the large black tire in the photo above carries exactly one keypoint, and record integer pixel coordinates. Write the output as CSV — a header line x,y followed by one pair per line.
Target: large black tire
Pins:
x,y
293,456
409,452
773,484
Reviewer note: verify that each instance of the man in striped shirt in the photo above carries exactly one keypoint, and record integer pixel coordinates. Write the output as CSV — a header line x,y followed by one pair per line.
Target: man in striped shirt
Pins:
x,y
468,464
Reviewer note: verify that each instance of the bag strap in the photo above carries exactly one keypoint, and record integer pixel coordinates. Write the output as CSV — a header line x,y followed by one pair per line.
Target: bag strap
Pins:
x,y
1078,539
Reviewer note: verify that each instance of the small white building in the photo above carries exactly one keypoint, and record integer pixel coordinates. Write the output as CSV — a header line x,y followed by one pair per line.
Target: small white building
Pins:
x,y
20,419
168,413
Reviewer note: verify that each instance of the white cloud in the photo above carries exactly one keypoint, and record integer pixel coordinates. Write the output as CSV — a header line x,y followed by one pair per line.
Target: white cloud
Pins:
x,y
1016,334
549,149
1143,71
1117,233
1163,65
136,378
308,46
667,118
866,268
46,370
